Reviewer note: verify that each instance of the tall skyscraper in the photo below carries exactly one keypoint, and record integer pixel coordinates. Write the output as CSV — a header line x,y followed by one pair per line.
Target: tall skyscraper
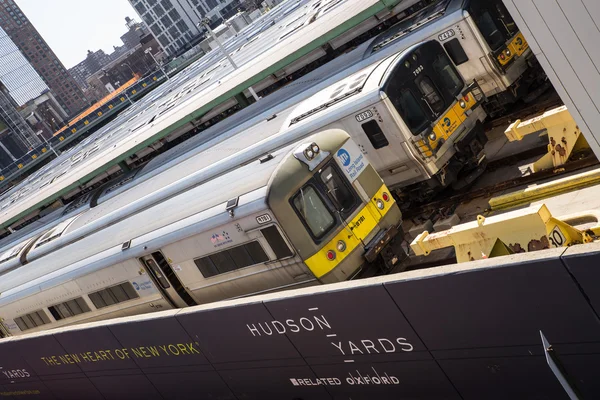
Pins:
x,y
41,57
18,76
174,22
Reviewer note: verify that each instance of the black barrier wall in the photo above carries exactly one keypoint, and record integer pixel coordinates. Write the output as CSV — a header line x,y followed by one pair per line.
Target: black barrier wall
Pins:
x,y
468,331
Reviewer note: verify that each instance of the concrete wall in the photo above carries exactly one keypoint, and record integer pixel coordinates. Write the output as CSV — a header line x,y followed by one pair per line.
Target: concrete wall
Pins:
x,y
565,37
467,331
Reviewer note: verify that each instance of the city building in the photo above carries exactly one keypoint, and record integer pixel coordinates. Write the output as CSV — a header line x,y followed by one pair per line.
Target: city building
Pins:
x,y
16,136
27,107
174,23
41,57
93,62
135,32
135,62
16,73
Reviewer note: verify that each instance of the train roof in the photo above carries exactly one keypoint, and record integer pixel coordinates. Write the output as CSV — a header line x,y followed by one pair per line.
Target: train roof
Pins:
x,y
418,25
189,95
203,205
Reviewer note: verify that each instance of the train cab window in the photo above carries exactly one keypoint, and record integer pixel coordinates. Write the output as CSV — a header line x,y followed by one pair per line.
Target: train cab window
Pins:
x,y
409,109
452,83
430,94
494,22
340,194
313,211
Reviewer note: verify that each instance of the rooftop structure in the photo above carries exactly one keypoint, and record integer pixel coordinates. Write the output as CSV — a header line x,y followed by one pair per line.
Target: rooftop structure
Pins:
x,y
174,23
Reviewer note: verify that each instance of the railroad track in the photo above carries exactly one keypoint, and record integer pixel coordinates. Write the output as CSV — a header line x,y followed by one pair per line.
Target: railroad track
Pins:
x,y
519,111
450,201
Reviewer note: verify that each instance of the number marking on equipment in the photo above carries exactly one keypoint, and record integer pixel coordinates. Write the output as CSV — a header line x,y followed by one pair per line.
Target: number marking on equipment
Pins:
x,y
263,219
446,35
363,116
557,238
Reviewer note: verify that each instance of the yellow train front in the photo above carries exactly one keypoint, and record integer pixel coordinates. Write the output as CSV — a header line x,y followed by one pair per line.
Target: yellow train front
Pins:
x,y
335,209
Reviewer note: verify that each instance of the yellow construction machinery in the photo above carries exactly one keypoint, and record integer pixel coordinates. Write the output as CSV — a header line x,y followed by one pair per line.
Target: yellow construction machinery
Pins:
x,y
518,231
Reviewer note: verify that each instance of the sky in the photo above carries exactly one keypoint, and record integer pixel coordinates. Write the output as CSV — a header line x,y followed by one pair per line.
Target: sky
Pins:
x,y
72,27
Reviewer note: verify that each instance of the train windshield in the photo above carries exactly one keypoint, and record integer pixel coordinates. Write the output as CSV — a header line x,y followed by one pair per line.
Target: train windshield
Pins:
x,y
314,212
323,198
339,193
494,22
422,85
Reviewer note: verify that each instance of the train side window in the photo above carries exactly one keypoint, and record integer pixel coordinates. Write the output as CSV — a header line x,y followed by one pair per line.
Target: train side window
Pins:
x,y
453,83
313,212
206,266
231,259
223,261
113,295
456,51
32,320
69,309
375,134
430,94
276,242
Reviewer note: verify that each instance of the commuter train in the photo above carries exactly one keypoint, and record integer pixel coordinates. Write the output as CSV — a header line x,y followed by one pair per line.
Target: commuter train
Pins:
x,y
252,218
484,43
415,122
313,211
415,118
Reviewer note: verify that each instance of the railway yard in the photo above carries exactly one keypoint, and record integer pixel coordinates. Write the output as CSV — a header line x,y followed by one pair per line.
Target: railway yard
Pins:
x,y
391,150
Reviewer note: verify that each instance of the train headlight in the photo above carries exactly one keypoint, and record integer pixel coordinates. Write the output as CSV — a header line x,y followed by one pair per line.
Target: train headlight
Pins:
x,y
462,104
380,204
386,197
432,136
341,246
507,52
331,255
315,148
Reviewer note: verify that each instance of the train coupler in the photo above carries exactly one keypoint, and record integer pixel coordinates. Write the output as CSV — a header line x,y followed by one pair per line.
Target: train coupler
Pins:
x,y
387,246
520,231
564,136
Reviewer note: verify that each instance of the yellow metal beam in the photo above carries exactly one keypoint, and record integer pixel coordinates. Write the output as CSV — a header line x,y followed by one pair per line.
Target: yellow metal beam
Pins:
x,y
519,231
545,190
564,136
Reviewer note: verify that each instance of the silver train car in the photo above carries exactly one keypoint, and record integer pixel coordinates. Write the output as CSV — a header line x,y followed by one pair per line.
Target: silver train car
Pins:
x,y
310,212
484,43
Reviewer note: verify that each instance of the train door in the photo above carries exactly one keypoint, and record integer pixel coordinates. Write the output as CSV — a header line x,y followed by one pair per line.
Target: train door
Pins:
x,y
3,332
166,280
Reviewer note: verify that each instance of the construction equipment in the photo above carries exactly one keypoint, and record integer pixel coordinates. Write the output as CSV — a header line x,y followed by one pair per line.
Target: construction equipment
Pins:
x,y
520,231
545,190
564,136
